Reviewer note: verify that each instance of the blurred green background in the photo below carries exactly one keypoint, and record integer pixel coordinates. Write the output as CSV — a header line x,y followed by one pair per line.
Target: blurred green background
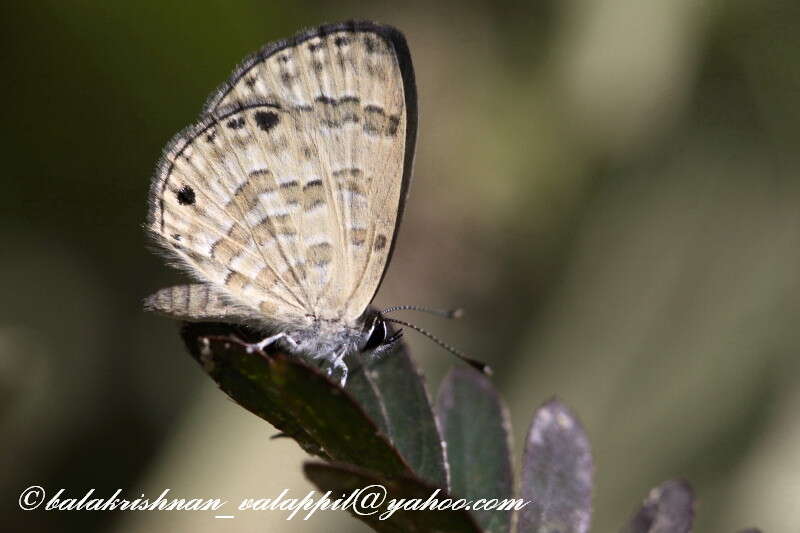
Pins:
x,y
608,186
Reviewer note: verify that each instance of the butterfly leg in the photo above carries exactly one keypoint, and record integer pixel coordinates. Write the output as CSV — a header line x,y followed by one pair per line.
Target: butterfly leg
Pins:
x,y
338,364
260,345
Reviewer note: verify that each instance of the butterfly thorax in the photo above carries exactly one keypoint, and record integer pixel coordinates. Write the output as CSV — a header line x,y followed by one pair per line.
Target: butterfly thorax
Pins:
x,y
333,339
326,338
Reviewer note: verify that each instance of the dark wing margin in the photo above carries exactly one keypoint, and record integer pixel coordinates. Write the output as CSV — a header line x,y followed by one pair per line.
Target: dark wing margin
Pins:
x,y
398,41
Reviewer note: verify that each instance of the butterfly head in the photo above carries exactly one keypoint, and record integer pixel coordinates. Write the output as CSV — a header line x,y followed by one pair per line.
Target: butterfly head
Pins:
x,y
377,335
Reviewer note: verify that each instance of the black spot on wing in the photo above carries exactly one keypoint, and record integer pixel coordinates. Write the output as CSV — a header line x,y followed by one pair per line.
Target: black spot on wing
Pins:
x,y
324,99
353,172
236,123
287,79
185,195
377,122
394,122
380,242
266,120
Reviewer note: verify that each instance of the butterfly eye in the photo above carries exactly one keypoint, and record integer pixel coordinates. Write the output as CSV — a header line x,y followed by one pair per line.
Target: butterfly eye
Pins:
x,y
377,335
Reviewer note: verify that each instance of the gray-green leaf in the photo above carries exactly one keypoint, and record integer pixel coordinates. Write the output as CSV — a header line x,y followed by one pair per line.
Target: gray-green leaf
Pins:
x,y
294,397
400,389
556,473
475,425
669,508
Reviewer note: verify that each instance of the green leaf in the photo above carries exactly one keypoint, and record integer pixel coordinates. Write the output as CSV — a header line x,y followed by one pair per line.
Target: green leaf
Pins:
x,y
556,473
362,388
400,391
669,508
294,397
343,479
476,427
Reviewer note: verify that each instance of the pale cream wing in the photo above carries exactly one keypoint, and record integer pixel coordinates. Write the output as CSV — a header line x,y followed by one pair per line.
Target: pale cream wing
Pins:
x,y
196,302
225,201
350,88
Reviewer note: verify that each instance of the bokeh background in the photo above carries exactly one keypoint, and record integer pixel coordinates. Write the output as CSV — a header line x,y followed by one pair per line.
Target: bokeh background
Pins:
x,y
610,187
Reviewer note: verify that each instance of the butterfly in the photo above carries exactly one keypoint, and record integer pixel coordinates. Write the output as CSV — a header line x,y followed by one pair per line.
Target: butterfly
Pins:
x,y
284,199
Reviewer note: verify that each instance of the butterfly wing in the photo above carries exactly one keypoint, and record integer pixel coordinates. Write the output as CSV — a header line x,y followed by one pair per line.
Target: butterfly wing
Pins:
x,y
220,210
195,302
288,194
359,80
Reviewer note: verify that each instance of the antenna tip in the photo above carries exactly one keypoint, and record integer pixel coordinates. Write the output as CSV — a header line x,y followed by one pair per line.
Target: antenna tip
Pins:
x,y
480,366
456,313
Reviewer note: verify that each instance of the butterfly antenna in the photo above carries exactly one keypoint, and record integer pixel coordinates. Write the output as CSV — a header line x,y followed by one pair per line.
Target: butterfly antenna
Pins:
x,y
446,313
481,367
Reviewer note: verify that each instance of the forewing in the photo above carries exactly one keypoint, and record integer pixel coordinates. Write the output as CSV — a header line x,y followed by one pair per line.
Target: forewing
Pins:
x,y
222,204
351,88
288,193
